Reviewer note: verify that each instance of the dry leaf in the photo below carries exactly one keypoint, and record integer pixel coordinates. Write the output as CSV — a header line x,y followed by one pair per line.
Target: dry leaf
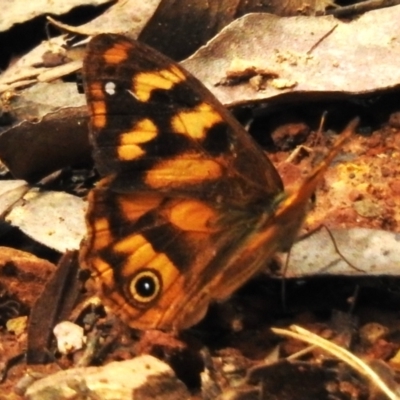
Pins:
x,y
57,140
19,11
54,219
126,16
23,275
144,378
315,54
10,193
30,65
374,252
61,291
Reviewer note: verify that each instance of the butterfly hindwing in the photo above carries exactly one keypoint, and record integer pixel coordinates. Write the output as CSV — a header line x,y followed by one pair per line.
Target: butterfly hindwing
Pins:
x,y
169,244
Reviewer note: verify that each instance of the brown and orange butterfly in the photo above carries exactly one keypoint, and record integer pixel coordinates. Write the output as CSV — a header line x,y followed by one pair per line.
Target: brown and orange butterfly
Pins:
x,y
189,207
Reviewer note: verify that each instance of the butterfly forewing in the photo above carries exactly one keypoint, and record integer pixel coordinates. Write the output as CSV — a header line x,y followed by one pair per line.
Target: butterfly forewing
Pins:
x,y
157,127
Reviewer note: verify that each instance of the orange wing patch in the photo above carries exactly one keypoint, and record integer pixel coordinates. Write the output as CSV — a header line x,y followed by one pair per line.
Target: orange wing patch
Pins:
x,y
141,254
98,105
192,215
145,82
197,122
182,170
129,142
118,53
134,205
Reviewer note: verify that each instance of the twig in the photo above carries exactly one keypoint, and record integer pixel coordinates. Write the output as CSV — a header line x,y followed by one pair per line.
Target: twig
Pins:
x,y
342,354
359,8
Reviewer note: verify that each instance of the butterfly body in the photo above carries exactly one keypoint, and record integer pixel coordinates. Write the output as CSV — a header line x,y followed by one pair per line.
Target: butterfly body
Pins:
x,y
187,211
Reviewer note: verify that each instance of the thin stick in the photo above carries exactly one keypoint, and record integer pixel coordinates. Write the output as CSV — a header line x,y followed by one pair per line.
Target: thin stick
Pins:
x,y
342,354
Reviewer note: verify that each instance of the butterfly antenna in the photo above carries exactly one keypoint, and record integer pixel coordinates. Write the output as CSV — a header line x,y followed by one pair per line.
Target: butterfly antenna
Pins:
x,y
310,184
306,190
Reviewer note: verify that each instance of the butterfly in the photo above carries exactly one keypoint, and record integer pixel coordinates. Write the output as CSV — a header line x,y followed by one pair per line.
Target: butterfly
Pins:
x,y
189,207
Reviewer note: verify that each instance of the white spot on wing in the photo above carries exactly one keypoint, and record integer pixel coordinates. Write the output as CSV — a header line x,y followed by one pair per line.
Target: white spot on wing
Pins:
x,y
110,88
